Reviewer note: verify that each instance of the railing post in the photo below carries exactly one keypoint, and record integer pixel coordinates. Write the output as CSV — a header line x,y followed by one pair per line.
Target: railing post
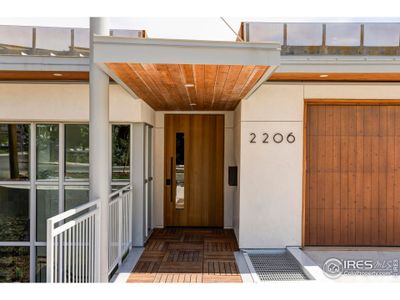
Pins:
x,y
120,199
130,214
50,252
97,243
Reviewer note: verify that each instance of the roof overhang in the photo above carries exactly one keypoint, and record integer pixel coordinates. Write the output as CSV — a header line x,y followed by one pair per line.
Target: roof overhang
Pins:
x,y
338,68
43,63
186,74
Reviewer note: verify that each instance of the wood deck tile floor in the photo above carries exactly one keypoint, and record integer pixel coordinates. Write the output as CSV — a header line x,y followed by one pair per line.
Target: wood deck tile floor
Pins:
x,y
190,255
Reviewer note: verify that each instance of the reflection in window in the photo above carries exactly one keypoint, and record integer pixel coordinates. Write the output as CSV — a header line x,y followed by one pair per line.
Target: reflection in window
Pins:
x,y
76,151
14,264
115,187
75,196
265,32
46,207
120,152
47,151
14,213
40,264
14,151
304,34
180,171
343,34
381,34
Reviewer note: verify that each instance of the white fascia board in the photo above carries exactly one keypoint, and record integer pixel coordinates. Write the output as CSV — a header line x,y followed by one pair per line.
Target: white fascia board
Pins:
x,y
167,51
43,63
339,64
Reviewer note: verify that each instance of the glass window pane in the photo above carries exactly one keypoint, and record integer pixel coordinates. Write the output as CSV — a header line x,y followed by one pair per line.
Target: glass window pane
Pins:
x,y
381,34
304,34
76,151
75,196
120,152
14,151
14,213
47,151
266,32
14,264
46,207
40,264
180,171
53,38
117,186
16,36
343,34
81,37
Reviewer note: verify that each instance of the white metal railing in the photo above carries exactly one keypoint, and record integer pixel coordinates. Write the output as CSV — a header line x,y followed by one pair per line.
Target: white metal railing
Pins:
x,y
73,239
73,245
119,226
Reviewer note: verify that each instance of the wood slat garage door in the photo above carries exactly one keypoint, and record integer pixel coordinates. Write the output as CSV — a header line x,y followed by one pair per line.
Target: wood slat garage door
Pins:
x,y
352,195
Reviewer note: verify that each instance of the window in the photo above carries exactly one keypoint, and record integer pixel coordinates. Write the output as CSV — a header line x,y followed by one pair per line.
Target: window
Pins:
x,y
46,207
76,151
47,151
120,152
14,264
14,152
14,213
75,196
180,171
41,264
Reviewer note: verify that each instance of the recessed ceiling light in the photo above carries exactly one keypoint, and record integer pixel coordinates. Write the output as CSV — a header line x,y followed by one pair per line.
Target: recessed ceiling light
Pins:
x,y
189,85
57,74
323,75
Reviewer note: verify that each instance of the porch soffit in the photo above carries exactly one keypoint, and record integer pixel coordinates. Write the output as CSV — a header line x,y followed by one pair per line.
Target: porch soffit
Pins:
x,y
184,74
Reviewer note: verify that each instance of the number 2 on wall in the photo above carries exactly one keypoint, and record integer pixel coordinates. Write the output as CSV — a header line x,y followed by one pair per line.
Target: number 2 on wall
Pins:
x,y
252,138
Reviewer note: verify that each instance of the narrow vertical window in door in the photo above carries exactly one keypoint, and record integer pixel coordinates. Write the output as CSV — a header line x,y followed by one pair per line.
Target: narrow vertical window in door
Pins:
x,y
180,171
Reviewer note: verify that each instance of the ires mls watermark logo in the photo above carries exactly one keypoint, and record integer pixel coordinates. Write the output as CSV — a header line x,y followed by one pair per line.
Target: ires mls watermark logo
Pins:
x,y
334,268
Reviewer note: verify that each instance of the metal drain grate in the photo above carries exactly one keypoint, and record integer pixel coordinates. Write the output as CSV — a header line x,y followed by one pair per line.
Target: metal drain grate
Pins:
x,y
276,266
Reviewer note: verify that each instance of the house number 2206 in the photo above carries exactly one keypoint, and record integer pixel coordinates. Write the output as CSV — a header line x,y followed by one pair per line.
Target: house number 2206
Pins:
x,y
276,138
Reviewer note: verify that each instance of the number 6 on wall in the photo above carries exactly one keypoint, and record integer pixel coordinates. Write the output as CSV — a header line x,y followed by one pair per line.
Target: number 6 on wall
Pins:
x,y
290,138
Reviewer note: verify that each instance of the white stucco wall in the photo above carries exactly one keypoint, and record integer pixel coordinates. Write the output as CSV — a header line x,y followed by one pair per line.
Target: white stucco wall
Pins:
x,y
66,102
229,160
270,195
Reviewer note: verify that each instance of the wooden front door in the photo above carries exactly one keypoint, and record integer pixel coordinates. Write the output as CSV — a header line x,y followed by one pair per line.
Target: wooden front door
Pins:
x,y
194,164
352,175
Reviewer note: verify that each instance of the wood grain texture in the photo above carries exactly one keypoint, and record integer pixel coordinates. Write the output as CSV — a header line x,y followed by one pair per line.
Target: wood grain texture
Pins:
x,y
352,173
203,171
192,255
355,77
162,86
43,76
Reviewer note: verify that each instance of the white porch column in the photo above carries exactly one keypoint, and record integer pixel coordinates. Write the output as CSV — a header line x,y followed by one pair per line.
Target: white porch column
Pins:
x,y
99,143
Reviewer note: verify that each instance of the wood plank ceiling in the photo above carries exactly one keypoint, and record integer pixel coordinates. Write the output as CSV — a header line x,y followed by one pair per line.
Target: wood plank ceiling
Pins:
x,y
189,87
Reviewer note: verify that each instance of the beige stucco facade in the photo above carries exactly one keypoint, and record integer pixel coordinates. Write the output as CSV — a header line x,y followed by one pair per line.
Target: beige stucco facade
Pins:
x,y
265,209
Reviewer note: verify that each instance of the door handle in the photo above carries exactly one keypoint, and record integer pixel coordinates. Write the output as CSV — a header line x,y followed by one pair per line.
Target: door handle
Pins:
x,y
172,181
